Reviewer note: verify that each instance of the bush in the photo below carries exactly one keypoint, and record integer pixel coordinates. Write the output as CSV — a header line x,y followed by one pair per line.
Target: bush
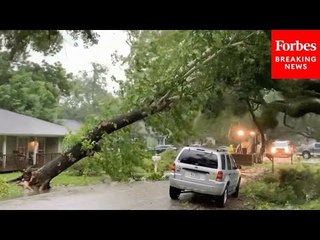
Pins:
x,y
121,155
155,176
138,173
148,165
289,186
4,189
304,181
90,166
167,157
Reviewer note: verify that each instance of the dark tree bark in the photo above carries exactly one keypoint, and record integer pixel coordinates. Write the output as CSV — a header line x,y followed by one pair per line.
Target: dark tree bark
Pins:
x,y
297,107
260,129
39,179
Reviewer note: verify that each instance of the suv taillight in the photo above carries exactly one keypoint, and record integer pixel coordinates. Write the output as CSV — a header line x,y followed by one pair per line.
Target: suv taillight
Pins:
x,y
219,176
173,167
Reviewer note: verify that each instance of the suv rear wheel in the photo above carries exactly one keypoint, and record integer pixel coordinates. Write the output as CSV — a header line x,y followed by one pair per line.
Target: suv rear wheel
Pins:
x,y
236,193
222,200
174,193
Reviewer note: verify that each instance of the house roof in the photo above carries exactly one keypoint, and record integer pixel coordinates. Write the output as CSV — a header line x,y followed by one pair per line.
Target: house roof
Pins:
x,y
15,124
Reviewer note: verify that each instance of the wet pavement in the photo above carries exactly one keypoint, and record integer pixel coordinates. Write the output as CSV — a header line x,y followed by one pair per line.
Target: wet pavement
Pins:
x,y
117,196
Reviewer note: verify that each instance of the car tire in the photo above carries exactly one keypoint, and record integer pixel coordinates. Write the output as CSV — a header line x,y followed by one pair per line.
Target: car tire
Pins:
x,y
174,193
236,193
306,155
222,200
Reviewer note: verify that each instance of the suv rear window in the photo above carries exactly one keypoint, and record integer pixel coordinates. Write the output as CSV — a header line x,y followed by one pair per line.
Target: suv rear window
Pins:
x,y
203,159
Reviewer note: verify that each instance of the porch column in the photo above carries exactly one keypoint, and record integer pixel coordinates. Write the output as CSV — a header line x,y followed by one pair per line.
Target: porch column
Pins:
x,y
4,151
35,150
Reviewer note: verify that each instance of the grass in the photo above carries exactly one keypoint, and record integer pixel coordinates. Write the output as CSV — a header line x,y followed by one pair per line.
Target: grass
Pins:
x,y
63,179
8,191
69,180
9,176
290,187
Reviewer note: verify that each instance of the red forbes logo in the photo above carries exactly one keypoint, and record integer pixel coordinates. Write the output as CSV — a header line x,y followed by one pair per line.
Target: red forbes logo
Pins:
x,y
295,54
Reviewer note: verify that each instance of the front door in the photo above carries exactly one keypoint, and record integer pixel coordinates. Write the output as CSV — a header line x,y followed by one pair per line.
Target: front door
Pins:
x,y
32,151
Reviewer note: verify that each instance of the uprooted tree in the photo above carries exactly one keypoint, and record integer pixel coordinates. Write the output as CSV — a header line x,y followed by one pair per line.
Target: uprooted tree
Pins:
x,y
39,179
194,70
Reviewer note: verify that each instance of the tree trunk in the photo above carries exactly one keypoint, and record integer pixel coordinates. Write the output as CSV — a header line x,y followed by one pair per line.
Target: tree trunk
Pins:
x,y
263,146
261,132
39,179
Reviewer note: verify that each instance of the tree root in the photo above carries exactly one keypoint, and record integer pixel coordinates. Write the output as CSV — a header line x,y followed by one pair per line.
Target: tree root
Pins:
x,y
31,180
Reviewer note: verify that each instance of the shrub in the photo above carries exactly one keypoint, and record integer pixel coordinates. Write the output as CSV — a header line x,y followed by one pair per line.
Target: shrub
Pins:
x,y
89,166
4,189
155,176
167,157
138,173
289,186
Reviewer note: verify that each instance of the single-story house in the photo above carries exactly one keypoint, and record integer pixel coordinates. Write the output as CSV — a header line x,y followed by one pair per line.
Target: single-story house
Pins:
x,y
26,140
152,138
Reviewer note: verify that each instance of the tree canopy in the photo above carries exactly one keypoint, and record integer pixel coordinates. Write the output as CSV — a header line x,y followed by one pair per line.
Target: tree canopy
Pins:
x,y
19,42
211,71
32,89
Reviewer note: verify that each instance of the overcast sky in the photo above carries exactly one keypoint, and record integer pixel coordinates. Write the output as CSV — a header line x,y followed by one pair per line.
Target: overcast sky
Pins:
x,y
76,59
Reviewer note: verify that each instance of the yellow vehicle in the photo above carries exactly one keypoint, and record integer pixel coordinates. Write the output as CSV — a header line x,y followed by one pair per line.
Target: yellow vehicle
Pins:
x,y
245,152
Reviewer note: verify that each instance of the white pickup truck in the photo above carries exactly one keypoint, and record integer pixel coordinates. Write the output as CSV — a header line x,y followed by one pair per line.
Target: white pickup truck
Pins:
x,y
309,150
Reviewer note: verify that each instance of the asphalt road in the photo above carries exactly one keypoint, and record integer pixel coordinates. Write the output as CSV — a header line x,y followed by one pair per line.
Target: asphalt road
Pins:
x,y
117,196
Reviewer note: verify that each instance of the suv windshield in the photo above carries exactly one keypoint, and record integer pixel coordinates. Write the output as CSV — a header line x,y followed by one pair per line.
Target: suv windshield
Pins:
x,y
203,159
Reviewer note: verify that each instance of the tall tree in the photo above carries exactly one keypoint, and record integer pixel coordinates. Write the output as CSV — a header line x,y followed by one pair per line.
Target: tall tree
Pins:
x,y
88,94
32,89
19,42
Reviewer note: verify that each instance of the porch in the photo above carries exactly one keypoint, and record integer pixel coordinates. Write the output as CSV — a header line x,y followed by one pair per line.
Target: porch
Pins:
x,y
17,162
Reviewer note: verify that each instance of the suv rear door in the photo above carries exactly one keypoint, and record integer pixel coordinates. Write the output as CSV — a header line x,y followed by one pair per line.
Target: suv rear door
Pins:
x,y
235,174
197,166
229,171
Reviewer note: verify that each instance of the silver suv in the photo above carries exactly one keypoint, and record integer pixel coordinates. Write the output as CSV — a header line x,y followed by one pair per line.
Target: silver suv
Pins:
x,y
206,171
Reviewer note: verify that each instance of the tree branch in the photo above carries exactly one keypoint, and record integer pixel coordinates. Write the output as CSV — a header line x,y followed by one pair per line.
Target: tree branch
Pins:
x,y
229,45
296,108
311,93
285,121
304,134
206,57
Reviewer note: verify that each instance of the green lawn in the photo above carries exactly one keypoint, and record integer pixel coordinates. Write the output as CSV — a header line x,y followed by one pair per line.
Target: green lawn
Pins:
x,y
69,180
63,179
299,188
8,176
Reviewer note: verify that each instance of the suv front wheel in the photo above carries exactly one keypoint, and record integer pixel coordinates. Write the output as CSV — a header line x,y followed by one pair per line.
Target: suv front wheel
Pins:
x,y
222,200
174,193
306,155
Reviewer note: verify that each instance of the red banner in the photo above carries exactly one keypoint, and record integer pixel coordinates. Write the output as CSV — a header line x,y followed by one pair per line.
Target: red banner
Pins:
x,y
295,54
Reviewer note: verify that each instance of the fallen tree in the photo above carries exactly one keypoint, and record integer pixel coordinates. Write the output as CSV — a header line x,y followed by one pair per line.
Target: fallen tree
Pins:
x,y
39,179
